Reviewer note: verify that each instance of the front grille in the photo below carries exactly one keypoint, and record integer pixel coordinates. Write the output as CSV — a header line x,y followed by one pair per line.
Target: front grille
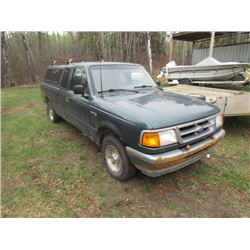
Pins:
x,y
194,130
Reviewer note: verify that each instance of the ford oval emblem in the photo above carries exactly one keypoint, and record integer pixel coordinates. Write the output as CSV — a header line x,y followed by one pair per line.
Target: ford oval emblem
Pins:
x,y
200,129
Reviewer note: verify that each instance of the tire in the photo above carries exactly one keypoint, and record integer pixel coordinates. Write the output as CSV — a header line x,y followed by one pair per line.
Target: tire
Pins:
x,y
53,117
116,160
185,81
239,77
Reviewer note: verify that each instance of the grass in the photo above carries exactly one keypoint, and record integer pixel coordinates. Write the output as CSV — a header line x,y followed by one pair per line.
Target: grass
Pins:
x,y
166,84
170,206
51,170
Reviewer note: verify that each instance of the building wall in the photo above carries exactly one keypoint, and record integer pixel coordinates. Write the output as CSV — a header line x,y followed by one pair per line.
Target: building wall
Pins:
x,y
233,53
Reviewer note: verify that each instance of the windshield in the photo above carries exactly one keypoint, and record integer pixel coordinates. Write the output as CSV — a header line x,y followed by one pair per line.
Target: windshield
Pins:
x,y
120,77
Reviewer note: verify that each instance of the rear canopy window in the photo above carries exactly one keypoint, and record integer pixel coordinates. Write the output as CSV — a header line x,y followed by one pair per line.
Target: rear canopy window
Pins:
x,y
53,75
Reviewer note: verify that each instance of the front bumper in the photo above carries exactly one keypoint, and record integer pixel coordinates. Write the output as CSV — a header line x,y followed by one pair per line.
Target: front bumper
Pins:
x,y
159,164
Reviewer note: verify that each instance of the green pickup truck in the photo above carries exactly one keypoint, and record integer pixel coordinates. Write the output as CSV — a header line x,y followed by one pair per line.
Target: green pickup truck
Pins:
x,y
137,125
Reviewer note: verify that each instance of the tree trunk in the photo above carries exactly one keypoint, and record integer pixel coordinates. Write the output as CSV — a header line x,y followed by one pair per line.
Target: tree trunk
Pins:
x,y
41,54
98,46
102,46
72,37
170,42
58,38
129,46
121,46
6,72
149,52
76,48
49,48
80,37
56,46
29,56
134,48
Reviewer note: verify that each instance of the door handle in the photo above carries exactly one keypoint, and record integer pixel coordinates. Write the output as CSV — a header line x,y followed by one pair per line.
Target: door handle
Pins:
x,y
67,99
93,113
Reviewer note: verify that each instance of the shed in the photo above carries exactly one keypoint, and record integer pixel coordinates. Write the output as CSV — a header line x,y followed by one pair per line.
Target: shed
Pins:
x,y
223,46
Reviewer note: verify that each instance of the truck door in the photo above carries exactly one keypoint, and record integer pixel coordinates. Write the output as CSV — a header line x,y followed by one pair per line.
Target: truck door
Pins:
x,y
63,93
52,79
77,106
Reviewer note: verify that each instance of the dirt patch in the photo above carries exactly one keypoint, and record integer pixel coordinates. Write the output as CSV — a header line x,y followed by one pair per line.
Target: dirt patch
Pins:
x,y
22,108
174,195
88,149
91,153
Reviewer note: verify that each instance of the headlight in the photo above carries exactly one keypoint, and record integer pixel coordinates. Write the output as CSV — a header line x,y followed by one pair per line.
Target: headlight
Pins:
x,y
219,120
159,139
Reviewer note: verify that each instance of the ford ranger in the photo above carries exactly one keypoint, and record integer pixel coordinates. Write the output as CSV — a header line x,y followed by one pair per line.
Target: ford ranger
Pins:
x,y
136,124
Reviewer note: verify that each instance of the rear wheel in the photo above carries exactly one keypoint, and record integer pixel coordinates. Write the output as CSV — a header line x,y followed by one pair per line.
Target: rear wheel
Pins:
x,y
239,77
53,117
116,160
185,81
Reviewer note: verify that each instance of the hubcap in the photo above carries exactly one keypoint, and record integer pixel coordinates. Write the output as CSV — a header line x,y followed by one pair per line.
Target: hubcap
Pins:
x,y
113,158
51,115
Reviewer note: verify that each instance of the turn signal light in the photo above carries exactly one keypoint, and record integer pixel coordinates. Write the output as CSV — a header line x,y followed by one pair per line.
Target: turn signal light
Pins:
x,y
151,140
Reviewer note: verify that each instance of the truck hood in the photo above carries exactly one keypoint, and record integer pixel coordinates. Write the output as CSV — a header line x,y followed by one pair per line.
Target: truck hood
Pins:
x,y
159,109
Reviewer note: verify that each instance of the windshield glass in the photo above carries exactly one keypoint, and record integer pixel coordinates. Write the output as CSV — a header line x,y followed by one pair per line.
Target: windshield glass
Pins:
x,y
120,77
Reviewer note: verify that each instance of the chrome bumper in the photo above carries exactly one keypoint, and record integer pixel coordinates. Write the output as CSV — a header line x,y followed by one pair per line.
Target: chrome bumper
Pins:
x,y
159,164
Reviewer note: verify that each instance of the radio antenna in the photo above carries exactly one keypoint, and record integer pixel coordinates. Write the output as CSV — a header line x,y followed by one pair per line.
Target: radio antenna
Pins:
x,y
101,79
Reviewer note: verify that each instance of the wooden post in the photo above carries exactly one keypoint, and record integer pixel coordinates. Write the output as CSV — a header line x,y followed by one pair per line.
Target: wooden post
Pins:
x,y
170,42
183,52
211,44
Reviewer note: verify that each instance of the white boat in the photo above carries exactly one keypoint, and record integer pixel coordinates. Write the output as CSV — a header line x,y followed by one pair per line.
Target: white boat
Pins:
x,y
208,69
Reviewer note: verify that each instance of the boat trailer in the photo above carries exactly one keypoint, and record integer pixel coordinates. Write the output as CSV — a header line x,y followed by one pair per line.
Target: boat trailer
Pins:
x,y
231,102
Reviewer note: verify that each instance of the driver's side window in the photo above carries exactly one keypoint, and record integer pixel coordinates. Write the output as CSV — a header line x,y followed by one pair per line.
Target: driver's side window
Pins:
x,y
79,78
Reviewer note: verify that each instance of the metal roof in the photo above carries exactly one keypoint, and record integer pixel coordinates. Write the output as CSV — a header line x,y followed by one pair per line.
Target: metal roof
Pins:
x,y
195,36
230,53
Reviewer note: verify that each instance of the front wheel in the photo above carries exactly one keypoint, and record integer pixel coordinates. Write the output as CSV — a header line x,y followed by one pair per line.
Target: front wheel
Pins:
x,y
116,160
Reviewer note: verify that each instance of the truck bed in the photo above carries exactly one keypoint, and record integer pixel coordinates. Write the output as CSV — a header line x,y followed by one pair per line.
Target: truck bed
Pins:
x,y
231,102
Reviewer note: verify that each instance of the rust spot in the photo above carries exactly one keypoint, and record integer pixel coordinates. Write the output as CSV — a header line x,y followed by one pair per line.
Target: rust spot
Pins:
x,y
161,163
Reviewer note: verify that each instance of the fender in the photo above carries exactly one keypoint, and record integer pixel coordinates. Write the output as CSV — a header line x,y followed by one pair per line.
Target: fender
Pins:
x,y
107,126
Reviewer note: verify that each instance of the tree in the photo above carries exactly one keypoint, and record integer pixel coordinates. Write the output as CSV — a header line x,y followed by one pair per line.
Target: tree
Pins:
x,y
149,52
29,56
40,49
5,66
25,55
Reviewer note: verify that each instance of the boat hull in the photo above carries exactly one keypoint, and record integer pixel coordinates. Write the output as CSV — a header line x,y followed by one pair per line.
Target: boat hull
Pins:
x,y
206,73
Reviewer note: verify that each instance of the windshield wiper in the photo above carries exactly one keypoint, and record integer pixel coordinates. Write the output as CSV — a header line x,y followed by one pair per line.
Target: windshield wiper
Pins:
x,y
147,86
114,90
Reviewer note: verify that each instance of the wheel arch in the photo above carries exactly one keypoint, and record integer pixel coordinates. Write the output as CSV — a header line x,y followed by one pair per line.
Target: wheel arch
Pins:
x,y
46,99
107,129
186,81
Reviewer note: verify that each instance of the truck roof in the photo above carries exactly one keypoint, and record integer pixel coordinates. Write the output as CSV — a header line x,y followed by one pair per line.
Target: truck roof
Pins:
x,y
91,64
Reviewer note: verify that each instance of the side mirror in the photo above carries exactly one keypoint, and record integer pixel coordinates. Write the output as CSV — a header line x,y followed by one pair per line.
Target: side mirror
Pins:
x,y
158,83
78,89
